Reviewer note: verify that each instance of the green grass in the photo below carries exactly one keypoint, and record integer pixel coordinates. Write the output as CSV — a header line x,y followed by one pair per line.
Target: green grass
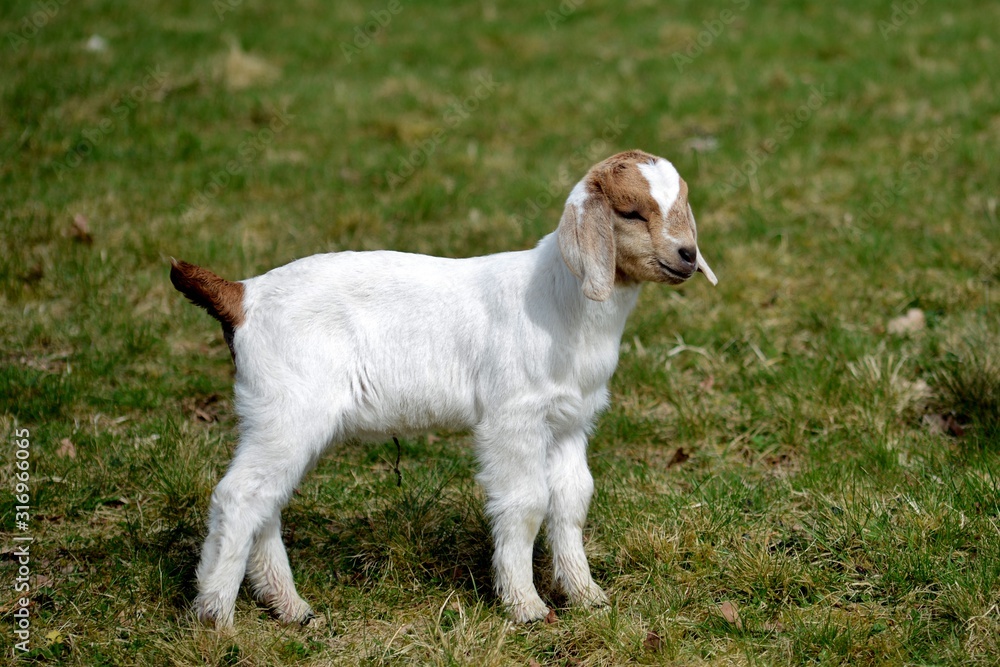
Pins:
x,y
837,485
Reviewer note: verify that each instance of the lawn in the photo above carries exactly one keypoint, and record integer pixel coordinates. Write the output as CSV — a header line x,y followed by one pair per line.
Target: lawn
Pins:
x,y
800,466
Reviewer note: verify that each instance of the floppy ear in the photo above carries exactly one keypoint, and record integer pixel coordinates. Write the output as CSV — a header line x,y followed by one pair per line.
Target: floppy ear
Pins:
x,y
587,242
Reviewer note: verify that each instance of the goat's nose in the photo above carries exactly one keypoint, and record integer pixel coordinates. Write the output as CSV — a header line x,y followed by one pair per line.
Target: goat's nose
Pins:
x,y
689,256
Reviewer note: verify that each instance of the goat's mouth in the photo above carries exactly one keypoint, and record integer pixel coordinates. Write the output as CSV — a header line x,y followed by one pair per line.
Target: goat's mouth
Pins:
x,y
673,273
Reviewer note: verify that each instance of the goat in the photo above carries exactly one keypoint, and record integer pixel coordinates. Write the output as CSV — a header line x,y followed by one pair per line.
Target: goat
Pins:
x,y
517,346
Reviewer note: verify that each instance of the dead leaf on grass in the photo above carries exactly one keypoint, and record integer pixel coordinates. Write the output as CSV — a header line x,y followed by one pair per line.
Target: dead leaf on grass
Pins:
x,y
205,408
731,614
80,229
66,449
33,274
653,642
679,457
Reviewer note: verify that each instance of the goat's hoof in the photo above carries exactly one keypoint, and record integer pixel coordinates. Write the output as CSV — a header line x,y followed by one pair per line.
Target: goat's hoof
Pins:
x,y
296,612
209,611
526,612
594,596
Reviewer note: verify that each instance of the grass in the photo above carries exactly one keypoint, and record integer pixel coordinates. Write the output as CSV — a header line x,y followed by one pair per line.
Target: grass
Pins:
x,y
779,480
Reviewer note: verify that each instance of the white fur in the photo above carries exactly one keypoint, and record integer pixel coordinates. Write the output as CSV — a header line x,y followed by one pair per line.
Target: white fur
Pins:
x,y
664,183
577,195
665,186
369,345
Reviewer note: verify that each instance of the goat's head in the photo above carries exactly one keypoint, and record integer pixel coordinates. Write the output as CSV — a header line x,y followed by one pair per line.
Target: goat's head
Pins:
x,y
629,220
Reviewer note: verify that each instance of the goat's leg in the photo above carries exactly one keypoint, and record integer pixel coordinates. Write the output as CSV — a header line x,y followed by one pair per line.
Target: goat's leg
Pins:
x,y
271,576
512,474
570,489
239,508
245,506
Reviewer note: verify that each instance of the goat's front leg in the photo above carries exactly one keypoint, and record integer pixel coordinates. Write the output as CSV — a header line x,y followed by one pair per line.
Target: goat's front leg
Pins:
x,y
512,472
570,489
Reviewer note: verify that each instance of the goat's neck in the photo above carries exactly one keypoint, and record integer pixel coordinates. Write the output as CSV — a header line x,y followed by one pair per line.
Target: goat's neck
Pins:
x,y
595,319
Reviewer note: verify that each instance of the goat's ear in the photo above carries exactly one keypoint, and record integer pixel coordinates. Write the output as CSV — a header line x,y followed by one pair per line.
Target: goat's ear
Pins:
x,y
706,269
587,242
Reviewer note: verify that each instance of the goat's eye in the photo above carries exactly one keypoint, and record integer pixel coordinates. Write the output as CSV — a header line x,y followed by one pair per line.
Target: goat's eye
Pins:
x,y
634,215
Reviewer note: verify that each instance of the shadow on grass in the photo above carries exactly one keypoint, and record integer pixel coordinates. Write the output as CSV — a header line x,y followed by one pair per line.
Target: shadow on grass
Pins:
x,y
432,530
968,381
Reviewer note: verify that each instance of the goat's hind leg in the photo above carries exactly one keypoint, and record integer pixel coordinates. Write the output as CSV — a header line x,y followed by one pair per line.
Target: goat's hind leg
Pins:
x,y
238,510
244,516
271,576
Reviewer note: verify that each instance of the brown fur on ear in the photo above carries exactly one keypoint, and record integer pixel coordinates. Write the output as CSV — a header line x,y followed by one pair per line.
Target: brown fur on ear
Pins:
x,y
587,243
223,299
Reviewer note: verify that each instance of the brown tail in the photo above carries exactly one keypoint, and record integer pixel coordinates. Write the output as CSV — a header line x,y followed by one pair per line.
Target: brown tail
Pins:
x,y
223,299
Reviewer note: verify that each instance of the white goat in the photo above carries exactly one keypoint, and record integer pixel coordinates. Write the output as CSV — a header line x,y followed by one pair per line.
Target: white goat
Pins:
x,y
517,346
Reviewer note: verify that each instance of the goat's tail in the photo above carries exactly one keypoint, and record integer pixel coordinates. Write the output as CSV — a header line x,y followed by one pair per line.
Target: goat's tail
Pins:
x,y
223,299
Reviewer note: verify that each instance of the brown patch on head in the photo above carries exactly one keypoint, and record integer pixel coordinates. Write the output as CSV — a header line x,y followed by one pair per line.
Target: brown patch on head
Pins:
x,y
619,180
649,240
641,241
